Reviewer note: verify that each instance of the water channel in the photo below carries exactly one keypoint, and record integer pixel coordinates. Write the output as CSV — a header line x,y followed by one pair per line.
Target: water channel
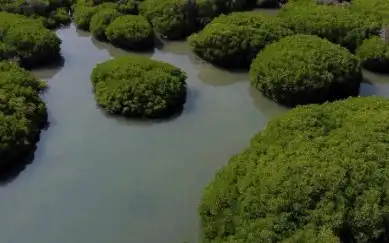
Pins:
x,y
97,178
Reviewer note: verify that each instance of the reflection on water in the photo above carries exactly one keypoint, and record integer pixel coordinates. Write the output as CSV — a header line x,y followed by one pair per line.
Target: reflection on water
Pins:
x,y
375,84
97,178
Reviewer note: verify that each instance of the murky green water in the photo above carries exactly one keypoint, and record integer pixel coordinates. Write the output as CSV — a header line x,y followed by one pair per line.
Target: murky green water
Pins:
x,y
99,179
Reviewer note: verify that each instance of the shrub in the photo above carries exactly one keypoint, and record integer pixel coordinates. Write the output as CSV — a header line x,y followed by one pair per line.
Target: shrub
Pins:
x,y
305,69
319,173
22,112
6,52
34,45
53,13
374,54
374,8
234,40
139,87
100,21
61,15
335,23
127,7
83,14
207,10
170,18
131,32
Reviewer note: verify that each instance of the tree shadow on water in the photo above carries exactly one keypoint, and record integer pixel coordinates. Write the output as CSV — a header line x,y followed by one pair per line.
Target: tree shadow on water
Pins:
x,y
140,121
115,51
10,171
168,116
50,70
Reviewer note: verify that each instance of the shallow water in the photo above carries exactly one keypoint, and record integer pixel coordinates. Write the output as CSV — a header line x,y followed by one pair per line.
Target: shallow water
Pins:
x,y
100,179
97,178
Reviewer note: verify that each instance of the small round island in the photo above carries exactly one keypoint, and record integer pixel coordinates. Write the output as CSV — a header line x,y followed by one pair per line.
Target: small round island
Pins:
x,y
318,173
139,87
303,69
131,32
22,113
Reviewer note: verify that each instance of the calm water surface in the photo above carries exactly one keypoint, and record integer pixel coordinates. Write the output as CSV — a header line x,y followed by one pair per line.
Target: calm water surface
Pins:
x,y
99,179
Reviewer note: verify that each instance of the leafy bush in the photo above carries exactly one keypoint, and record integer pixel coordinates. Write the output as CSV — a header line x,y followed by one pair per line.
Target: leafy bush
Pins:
x,y
100,21
127,7
139,87
6,52
53,12
131,32
336,23
374,8
234,40
319,173
34,45
209,9
172,19
303,69
61,15
374,54
83,14
22,112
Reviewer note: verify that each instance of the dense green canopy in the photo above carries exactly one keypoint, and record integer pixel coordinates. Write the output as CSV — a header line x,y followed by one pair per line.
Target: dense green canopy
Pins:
x,y
22,112
52,12
131,32
374,54
206,10
139,87
83,14
319,173
234,40
101,20
172,19
302,69
338,24
374,8
27,39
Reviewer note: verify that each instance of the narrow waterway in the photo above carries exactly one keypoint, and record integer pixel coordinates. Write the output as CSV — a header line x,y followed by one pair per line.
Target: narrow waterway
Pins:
x,y
100,179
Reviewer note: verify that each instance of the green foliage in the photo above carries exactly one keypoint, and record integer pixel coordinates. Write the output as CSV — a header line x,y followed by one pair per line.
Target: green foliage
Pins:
x,y
131,32
32,43
206,11
61,15
22,112
53,12
318,173
84,11
100,21
6,51
374,8
374,54
139,87
209,9
338,24
82,16
303,69
234,40
127,7
172,19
